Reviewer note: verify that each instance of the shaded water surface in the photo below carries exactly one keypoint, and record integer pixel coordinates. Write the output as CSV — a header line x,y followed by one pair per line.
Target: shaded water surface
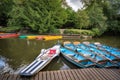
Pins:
x,y
18,53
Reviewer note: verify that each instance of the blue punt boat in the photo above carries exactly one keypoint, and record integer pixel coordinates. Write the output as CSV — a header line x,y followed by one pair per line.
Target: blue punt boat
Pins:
x,y
109,49
76,59
112,58
41,61
69,45
107,54
99,59
99,52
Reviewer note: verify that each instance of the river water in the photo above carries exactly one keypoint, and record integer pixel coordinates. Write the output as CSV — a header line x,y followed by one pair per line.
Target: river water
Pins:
x,y
18,53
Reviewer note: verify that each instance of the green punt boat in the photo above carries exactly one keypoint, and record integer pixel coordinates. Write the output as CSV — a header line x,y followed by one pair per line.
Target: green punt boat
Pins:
x,y
23,36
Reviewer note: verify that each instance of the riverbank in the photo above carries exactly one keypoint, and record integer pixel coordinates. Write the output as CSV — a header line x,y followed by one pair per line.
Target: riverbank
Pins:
x,y
64,32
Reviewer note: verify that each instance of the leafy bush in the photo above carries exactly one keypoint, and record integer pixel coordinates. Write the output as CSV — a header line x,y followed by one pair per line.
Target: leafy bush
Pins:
x,y
53,31
96,31
56,31
77,31
10,29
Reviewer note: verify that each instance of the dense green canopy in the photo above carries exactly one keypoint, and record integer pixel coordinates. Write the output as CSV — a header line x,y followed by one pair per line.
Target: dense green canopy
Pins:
x,y
45,16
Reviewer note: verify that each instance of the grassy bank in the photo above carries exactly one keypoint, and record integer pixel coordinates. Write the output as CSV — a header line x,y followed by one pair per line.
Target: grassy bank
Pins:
x,y
78,31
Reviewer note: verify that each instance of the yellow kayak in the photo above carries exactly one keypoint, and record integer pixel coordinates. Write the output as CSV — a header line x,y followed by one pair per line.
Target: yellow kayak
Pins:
x,y
31,37
52,37
40,37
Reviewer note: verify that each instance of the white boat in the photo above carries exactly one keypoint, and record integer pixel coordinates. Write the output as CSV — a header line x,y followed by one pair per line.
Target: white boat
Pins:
x,y
41,61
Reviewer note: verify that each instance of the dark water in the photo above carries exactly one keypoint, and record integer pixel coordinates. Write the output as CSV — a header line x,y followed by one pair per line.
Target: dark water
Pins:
x,y
20,52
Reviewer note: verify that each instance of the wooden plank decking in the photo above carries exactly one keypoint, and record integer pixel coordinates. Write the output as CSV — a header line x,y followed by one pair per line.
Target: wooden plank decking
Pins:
x,y
73,74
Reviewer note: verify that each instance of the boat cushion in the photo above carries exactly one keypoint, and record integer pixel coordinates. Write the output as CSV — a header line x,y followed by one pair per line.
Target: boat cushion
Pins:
x,y
52,51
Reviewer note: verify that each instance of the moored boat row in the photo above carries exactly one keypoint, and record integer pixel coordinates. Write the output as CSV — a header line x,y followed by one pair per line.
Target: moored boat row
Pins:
x,y
83,55
37,37
108,49
41,37
100,57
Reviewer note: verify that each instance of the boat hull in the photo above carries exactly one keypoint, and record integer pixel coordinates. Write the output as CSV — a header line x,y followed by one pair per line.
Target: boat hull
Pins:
x,y
9,35
79,61
41,61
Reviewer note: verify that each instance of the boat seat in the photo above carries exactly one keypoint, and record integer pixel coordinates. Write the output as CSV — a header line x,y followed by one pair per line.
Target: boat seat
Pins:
x,y
76,43
44,57
67,42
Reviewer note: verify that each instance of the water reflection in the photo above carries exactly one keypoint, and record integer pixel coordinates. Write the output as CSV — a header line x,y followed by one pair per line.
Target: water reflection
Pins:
x,y
18,53
4,66
64,67
2,62
28,42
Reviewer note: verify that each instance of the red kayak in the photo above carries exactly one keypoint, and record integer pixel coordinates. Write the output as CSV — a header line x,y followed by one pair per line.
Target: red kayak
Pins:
x,y
9,35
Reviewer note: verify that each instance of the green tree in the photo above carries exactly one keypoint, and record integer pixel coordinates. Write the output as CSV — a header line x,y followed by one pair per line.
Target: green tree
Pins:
x,y
5,7
82,19
96,17
41,16
16,14
70,21
111,9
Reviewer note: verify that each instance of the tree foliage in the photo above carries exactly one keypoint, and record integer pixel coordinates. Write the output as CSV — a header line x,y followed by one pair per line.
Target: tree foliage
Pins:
x,y
5,8
110,13
45,16
96,16
111,10
82,20
71,17
42,16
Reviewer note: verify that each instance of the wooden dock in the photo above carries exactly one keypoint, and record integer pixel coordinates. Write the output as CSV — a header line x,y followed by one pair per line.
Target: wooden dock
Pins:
x,y
72,74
